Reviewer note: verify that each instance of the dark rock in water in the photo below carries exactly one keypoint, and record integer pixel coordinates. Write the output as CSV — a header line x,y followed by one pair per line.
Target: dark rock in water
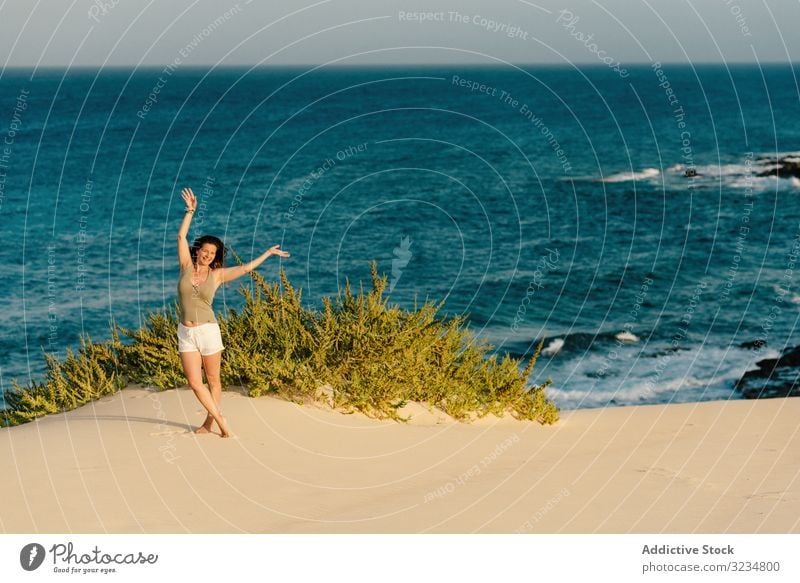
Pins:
x,y
775,377
691,173
754,345
784,167
601,374
665,351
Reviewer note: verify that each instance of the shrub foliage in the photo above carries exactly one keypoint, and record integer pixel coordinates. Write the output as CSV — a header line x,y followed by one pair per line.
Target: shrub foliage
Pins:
x,y
359,352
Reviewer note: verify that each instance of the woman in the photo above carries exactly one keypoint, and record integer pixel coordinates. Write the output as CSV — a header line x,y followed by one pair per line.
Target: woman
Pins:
x,y
199,340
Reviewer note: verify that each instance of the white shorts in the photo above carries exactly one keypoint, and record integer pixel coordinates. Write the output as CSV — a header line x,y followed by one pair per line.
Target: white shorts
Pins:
x,y
204,338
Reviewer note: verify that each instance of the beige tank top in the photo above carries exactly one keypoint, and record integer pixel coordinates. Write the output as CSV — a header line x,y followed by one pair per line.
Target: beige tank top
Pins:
x,y
194,302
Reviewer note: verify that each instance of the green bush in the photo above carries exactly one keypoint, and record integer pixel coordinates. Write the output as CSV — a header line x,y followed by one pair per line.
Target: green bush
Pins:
x,y
82,377
152,358
373,357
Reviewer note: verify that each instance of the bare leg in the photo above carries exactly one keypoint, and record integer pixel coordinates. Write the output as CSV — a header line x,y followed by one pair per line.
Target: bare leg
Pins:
x,y
211,366
192,362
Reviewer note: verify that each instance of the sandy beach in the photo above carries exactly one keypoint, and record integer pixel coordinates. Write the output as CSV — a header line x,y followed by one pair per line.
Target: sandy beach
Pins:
x,y
131,463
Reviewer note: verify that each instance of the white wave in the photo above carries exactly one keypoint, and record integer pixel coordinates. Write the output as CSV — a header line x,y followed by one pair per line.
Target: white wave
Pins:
x,y
762,183
769,168
629,176
741,174
717,170
553,347
733,175
684,376
713,170
664,388
627,337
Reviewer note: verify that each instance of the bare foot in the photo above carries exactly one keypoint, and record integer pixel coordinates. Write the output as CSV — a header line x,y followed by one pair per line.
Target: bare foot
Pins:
x,y
225,430
206,426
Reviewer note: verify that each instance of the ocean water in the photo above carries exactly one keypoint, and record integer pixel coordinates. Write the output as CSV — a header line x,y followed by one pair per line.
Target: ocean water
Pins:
x,y
545,203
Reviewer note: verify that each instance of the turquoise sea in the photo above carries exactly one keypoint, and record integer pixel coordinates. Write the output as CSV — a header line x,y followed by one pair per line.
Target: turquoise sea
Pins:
x,y
544,202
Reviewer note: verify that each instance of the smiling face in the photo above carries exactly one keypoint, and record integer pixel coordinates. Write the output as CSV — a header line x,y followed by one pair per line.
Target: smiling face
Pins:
x,y
206,254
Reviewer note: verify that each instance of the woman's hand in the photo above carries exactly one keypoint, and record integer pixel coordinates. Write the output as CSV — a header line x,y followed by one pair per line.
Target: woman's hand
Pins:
x,y
189,199
227,274
275,251
184,254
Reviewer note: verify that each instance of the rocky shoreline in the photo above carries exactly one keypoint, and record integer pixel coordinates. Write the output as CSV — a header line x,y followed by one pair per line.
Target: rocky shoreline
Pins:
x,y
774,377
780,166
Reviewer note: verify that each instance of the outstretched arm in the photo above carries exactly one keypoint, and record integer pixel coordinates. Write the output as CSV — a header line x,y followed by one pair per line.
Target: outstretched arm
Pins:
x,y
184,256
230,273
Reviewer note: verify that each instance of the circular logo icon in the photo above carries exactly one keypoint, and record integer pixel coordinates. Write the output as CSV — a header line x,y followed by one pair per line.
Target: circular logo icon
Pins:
x,y
31,556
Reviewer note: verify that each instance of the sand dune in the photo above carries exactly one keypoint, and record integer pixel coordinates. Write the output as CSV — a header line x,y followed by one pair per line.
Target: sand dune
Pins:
x,y
131,463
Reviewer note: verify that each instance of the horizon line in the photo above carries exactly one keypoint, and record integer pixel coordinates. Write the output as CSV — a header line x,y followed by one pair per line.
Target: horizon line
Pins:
x,y
638,64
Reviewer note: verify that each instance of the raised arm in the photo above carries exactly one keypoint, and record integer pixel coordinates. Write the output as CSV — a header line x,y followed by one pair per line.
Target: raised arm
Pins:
x,y
184,256
230,273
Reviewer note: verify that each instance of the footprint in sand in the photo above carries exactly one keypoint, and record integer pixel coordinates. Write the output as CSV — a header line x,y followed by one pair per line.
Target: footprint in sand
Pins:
x,y
777,495
681,478
168,432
